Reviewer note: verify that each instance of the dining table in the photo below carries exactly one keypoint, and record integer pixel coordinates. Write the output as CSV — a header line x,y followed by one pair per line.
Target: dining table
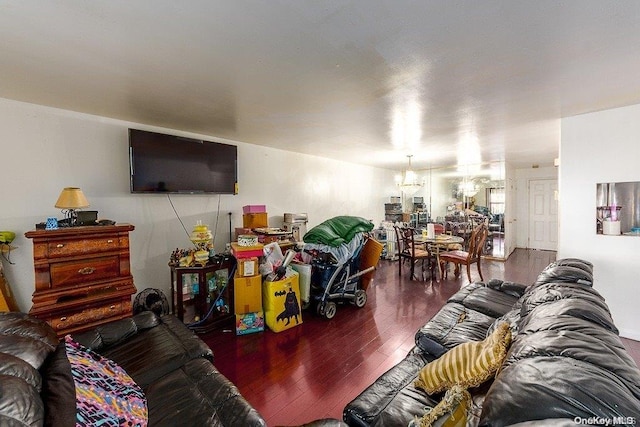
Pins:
x,y
439,243
442,240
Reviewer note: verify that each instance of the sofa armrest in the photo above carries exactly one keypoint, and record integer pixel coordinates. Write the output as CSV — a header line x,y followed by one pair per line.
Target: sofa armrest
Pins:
x,y
511,288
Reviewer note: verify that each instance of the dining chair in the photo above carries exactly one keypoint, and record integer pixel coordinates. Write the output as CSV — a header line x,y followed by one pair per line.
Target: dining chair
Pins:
x,y
472,256
409,251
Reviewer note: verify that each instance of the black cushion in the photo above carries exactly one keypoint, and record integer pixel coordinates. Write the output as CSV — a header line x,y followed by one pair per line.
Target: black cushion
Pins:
x,y
453,324
197,394
565,273
489,301
543,387
391,399
59,391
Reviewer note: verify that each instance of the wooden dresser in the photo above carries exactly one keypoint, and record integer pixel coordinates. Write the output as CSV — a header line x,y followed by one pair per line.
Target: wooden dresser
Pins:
x,y
82,275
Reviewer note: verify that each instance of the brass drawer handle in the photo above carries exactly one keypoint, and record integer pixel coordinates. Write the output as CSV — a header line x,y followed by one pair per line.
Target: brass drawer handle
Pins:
x,y
86,270
110,241
63,319
112,307
60,245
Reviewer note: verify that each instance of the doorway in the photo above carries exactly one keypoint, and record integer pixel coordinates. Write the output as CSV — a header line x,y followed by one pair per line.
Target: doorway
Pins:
x,y
543,214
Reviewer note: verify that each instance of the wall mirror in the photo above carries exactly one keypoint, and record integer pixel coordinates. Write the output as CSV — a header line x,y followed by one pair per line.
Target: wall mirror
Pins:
x,y
451,193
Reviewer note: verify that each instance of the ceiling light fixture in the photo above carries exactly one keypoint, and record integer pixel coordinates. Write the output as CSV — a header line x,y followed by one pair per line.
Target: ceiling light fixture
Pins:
x,y
409,182
468,188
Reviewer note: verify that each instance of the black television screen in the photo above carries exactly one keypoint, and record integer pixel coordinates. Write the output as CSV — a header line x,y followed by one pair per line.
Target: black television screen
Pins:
x,y
162,163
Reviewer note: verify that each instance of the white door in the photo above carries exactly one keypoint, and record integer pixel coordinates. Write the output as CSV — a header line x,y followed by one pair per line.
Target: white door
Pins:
x,y
543,214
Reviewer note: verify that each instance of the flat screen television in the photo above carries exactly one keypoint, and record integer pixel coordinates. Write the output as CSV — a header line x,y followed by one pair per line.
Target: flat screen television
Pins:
x,y
160,163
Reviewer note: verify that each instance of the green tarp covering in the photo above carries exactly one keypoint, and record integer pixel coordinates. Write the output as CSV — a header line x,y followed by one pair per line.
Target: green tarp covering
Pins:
x,y
337,230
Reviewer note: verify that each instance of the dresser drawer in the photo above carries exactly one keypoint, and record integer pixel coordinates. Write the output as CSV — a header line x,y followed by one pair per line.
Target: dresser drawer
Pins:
x,y
61,248
83,271
90,315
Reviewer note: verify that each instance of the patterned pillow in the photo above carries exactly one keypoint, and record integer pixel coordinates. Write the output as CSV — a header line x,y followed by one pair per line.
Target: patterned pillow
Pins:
x,y
451,411
105,394
468,364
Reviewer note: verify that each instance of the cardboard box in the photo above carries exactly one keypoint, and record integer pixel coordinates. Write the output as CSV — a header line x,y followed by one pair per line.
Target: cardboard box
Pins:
x,y
247,294
242,252
265,239
254,209
249,323
281,303
255,220
247,267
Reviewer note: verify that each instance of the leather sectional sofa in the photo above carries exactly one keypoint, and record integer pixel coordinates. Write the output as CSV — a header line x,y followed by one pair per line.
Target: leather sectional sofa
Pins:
x,y
565,365
171,366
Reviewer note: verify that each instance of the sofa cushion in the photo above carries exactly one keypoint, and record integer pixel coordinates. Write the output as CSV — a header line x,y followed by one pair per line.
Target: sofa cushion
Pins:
x,y
479,297
117,331
577,308
25,344
152,353
392,399
452,325
512,288
20,403
206,397
554,291
23,325
469,364
538,388
572,262
26,338
464,291
565,273
596,346
13,366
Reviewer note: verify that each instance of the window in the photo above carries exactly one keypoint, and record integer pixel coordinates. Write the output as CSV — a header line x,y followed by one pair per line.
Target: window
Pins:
x,y
495,197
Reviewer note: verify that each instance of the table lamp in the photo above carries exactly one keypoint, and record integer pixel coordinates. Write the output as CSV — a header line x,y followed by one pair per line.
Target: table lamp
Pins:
x,y
70,200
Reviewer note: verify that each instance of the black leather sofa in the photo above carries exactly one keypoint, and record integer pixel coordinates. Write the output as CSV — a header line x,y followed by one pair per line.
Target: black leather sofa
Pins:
x,y
171,365
566,363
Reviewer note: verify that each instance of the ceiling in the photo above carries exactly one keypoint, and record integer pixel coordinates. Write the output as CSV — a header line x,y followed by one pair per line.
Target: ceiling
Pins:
x,y
364,81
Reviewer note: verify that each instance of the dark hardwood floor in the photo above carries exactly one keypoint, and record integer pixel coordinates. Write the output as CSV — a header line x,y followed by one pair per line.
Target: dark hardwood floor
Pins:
x,y
313,370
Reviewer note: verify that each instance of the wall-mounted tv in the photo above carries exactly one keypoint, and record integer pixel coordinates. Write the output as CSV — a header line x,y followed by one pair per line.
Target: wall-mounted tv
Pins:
x,y
160,163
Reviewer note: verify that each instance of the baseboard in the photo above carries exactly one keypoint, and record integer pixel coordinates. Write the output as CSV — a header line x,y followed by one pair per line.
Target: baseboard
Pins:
x,y
630,334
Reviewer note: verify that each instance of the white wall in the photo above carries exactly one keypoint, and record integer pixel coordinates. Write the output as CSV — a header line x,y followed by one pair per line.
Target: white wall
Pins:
x,y
523,176
601,147
510,209
45,149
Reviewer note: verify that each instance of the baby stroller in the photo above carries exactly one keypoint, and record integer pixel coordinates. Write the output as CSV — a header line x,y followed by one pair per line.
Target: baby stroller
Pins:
x,y
333,281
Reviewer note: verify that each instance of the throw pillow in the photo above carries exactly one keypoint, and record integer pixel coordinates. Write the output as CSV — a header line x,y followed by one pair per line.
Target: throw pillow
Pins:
x,y
468,364
451,411
105,394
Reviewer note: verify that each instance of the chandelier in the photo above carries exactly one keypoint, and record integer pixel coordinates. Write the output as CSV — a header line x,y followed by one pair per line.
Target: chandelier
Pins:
x,y
409,182
468,188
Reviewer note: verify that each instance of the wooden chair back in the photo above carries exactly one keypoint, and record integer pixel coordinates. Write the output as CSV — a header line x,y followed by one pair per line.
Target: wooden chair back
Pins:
x,y
408,251
406,241
476,242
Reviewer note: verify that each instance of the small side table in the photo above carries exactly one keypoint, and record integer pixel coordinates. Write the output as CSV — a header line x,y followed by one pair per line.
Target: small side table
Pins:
x,y
202,297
